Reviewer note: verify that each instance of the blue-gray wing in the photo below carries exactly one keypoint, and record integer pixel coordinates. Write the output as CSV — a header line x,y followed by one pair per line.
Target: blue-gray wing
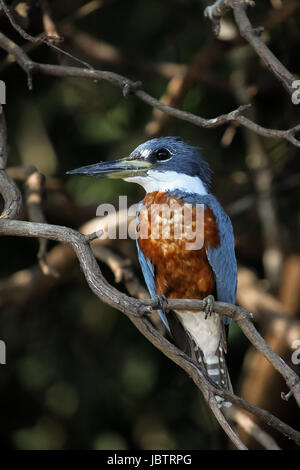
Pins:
x,y
149,276
222,259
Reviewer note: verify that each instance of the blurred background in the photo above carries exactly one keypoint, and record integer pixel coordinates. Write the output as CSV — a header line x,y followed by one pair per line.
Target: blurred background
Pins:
x,y
78,374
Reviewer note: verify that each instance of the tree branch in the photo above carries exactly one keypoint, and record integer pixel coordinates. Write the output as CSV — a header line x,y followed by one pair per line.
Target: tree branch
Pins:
x,y
124,83
136,309
20,56
251,428
130,87
34,196
8,189
220,8
252,36
44,38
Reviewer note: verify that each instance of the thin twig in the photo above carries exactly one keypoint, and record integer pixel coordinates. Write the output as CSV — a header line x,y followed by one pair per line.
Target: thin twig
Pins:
x,y
8,188
251,428
121,82
133,308
45,39
220,8
49,25
21,58
252,36
34,196
3,139
130,87
137,309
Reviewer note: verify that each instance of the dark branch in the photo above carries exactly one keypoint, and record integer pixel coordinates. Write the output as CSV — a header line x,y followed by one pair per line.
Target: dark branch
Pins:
x,y
220,8
253,37
8,189
44,38
134,309
134,88
21,58
34,197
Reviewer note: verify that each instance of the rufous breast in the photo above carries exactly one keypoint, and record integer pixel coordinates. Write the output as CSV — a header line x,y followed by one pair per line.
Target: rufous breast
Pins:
x,y
174,235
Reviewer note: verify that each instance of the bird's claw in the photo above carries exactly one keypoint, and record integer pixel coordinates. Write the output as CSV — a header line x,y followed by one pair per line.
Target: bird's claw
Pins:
x,y
209,303
162,302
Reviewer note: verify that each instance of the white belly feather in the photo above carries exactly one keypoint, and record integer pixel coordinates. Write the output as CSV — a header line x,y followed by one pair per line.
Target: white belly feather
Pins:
x,y
205,333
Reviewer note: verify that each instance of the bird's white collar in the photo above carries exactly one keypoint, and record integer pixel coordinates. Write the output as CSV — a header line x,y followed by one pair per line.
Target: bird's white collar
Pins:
x,y
169,181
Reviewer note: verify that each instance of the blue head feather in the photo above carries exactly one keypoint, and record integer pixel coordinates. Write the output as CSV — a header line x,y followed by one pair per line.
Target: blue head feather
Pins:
x,y
184,158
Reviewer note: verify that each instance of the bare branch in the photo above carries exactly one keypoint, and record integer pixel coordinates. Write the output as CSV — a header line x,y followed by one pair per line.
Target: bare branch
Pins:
x,y
263,415
21,58
251,428
130,87
8,189
34,195
48,40
49,25
11,195
121,82
134,308
15,25
225,424
220,8
253,37
3,140
105,52
181,82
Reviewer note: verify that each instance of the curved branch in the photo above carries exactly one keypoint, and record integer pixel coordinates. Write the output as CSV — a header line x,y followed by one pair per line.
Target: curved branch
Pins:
x,y
131,87
251,35
8,188
251,428
34,197
220,8
44,38
135,310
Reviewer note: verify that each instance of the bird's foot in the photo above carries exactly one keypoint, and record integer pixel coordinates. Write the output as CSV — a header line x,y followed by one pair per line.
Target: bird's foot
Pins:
x,y
146,309
209,303
162,302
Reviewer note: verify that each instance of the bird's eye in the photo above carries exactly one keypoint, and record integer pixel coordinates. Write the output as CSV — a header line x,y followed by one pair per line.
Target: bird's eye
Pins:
x,y
162,154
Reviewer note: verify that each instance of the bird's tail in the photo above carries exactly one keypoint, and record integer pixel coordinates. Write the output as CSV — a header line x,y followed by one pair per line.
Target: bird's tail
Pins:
x,y
215,365
216,369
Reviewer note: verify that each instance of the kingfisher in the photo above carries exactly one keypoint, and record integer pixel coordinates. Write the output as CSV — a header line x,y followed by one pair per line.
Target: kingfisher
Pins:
x,y
180,257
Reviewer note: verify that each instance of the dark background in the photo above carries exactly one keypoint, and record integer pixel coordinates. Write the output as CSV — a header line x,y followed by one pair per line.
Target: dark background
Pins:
x,y
78,374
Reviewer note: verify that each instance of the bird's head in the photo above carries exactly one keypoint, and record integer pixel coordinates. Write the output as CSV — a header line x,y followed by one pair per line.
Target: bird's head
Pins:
x,y
162,164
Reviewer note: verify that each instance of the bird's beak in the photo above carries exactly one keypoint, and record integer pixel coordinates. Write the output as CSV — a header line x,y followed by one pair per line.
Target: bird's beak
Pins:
x,y
123,168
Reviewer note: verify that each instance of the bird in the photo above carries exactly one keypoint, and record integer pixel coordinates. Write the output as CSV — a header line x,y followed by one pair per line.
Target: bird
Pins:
x,y
177,181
